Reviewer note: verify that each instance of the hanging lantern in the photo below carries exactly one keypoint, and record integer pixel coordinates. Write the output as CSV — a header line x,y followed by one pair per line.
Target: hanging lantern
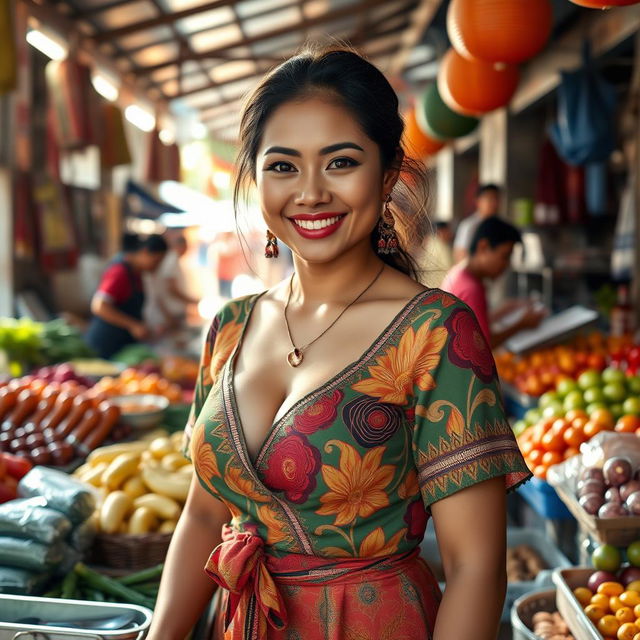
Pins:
x,y
437,120
416,142
473,87
604,4
508,31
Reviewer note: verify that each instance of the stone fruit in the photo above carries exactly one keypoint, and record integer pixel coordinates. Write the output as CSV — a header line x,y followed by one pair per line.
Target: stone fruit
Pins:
x,y
628,488
612,494
617,471
590,486
591,503
628,575
633,503
592,473
606,557
598,577
612,510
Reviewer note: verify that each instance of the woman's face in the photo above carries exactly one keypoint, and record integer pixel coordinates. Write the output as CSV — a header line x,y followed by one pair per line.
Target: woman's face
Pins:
x,y
320,179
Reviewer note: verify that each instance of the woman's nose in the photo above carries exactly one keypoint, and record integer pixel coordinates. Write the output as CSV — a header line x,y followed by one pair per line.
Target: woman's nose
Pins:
x,y
312,192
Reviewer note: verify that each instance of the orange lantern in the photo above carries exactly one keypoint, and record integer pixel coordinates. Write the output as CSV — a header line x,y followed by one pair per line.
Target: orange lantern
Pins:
x,y
473,87
417,143
604,4
499,30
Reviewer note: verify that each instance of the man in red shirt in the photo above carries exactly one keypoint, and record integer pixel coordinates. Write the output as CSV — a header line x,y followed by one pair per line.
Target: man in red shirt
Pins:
x,y
489,257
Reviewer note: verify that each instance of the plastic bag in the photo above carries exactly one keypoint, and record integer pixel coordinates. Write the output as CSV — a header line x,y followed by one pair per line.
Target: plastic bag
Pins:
x,y
20,581
63,493
81,538
585,128
593,453
27,554
31,518
70,557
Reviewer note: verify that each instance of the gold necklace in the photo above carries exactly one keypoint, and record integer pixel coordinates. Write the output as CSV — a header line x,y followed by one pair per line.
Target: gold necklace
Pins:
x,y
295,356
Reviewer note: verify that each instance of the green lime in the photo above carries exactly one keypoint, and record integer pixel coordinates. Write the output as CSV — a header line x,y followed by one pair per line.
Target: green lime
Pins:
x,y
606,557
633,553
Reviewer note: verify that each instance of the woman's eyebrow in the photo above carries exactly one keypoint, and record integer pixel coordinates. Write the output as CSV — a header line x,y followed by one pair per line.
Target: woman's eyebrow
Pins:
x,y
330,149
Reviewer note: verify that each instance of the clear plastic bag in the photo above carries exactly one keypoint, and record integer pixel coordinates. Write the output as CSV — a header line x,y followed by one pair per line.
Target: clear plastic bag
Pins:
x,y
30,555
31,518
81,538
20,581
63,493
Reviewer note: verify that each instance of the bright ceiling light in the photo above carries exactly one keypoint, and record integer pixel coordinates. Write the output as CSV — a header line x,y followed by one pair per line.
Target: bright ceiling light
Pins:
x,y
167,136
139,117
47,45
104,87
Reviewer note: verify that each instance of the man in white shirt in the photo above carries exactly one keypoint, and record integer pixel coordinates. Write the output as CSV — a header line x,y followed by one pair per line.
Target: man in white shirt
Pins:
x,y
168,289
487,205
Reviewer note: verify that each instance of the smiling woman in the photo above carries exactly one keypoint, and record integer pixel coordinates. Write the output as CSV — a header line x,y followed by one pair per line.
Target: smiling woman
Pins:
x,y
339,410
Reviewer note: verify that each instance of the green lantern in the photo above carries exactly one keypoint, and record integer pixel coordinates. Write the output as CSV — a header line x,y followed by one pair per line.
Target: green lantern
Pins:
x,y
438,120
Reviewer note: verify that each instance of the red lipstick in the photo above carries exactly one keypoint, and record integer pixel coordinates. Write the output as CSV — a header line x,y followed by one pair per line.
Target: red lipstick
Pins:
x,y
311,220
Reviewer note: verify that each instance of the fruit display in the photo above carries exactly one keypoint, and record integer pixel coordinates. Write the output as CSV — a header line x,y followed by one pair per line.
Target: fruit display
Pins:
x,y
523,563
611,491
182,371
134,381
53,423
63,372
550,626
143,485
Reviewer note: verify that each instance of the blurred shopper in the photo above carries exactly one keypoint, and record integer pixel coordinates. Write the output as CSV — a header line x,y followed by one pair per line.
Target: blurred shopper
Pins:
x,y
118,303
340,409
229,260
487,205
490,256
437,256
167,289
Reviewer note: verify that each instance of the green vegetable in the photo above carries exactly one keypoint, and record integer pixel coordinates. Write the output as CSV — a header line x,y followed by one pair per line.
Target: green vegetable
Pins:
x,y
134,354
95,595
146,575
96,580
69,585
149,589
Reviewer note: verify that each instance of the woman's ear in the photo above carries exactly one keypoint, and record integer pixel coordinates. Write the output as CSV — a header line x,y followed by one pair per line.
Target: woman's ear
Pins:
x,y
392,174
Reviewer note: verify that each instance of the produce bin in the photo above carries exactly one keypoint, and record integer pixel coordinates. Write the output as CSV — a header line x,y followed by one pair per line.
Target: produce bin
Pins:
x,y
544,500
619,532
570,609
51,610
549,553
523,609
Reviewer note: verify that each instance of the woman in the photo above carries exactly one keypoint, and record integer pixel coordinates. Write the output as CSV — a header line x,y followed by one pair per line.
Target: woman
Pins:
x,y
117,304
340,409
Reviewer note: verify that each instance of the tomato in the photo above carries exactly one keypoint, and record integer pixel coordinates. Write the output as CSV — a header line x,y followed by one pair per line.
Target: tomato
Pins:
x,y
540,472
572,414
552,441
592,428
578,423
535,456
526,447
551,457
569,452
608,625
603,416
627,424
573,437
15,465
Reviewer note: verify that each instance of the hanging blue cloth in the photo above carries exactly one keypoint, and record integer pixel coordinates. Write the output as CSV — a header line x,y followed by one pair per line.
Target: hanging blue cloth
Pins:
x,y
584,131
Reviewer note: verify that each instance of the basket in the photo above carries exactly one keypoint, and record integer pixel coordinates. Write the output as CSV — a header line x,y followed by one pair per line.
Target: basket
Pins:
x,y
620,532
123,551
566,581
544,500
525,607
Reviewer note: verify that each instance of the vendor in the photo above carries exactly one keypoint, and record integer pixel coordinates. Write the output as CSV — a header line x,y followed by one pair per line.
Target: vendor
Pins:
x,y
117,304
489,257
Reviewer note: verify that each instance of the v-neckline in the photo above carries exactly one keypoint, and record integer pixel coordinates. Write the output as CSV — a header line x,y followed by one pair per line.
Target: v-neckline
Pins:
x,y
229,375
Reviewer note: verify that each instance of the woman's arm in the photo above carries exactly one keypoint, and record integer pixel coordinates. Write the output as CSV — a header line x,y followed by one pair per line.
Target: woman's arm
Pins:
x,y
104,309
185,589
471,530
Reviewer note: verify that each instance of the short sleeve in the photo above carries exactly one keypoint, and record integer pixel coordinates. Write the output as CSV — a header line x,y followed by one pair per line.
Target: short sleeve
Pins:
x,y
461,435
462,239
115,285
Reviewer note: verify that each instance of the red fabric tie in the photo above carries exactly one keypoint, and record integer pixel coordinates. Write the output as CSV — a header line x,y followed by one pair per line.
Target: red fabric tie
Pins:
x,y
237,564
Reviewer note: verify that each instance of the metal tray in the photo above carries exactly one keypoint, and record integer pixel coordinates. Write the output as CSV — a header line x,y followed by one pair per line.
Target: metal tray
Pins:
x,y
17,607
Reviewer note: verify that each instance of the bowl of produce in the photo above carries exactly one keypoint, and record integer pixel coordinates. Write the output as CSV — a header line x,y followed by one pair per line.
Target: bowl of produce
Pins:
x,y
141,410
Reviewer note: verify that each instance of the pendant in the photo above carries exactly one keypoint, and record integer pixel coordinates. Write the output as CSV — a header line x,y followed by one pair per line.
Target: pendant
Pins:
x,y
294,358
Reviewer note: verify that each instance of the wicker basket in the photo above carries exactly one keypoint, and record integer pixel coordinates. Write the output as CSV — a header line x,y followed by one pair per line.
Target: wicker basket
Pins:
x,y
123,551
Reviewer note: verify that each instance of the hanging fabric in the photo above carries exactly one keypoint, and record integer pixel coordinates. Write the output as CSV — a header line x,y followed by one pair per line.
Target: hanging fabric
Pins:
x,y
584,131
163,161
114,149
8,59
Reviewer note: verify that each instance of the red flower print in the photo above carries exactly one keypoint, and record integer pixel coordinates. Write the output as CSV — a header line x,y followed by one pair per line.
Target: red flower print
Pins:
x,y
416,518
320,415
370,421
437,295
292,467
468,347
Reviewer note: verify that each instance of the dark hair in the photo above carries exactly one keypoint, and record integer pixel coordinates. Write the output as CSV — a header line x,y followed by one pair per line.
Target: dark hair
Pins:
x,y
154,244
485,188
496,231
343,76
441,224
130,242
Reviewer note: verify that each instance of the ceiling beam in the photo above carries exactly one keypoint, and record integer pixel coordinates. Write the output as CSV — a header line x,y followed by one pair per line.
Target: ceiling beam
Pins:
x,y
161,20
338,14
421,19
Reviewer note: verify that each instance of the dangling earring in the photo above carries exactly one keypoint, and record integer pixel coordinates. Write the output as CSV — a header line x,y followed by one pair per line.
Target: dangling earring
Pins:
x,y
271,250
388,241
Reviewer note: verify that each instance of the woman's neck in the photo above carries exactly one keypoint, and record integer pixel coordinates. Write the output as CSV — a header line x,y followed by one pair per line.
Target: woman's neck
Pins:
x,y
338,281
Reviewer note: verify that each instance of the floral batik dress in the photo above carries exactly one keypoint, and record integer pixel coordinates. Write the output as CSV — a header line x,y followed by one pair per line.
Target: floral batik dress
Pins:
x,y
326,523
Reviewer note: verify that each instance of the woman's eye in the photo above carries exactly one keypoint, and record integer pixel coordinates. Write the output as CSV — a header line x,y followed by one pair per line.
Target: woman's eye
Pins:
x,y
343,163
281,167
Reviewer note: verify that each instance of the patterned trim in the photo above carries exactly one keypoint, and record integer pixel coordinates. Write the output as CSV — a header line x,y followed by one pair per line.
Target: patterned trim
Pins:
x,y
341,376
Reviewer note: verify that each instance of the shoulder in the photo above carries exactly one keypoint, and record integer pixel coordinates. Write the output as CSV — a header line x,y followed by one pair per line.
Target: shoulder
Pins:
x,y
233,314
115,270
